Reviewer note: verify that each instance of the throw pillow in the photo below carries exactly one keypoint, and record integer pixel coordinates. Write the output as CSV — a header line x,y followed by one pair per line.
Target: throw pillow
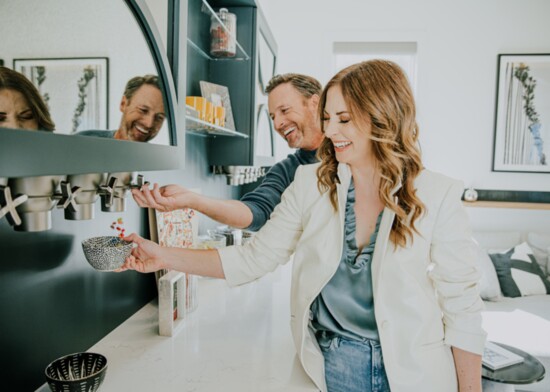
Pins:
x,y
489,288
519,273
540,242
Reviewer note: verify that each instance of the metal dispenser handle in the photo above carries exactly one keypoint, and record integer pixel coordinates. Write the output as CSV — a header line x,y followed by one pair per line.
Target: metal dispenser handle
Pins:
x,y
8,205
67,199
109,191
139,183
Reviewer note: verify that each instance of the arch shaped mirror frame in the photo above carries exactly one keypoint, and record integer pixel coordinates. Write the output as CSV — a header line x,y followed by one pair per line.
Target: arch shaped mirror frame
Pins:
x,y
264,139
30,153
267,52
266,62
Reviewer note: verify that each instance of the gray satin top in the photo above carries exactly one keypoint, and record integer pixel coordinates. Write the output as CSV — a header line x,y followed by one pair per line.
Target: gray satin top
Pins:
x,y
345,306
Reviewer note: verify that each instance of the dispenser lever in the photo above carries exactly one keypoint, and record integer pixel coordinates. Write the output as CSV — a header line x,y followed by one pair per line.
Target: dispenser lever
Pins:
x,y
139,183
8,205
109,191
68,196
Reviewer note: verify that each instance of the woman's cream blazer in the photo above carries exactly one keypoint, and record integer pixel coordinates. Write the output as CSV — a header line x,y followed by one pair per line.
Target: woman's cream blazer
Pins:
x,y
425,295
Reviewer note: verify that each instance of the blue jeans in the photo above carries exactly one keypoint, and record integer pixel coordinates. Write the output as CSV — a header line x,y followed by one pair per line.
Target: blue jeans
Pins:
x,y
353,366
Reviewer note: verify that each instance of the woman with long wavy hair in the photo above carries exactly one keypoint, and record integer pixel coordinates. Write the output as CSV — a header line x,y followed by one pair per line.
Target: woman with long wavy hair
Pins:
x,y
384,287
21,105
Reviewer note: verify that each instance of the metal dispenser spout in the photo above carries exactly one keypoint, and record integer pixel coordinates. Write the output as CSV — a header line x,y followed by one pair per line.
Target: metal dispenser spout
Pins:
x,y
78,195
239,175
36,211
113,192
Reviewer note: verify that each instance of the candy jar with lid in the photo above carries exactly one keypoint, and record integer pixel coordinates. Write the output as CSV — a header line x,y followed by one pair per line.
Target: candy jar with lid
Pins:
x,y
223,37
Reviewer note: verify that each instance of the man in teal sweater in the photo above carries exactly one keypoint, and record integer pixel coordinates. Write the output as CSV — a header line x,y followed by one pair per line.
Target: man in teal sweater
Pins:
x,y
293,101
142,111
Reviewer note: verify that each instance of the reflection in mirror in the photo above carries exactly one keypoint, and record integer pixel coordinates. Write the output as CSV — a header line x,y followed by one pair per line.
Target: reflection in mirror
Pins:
x,y
80,61
142,111
21,105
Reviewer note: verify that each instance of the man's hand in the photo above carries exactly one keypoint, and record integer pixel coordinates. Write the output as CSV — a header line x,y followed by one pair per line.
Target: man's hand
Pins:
x,y
147,256
174,197
166,198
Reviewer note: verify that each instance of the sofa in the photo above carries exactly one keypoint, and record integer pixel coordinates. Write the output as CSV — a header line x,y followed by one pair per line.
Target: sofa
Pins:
x,y
514,285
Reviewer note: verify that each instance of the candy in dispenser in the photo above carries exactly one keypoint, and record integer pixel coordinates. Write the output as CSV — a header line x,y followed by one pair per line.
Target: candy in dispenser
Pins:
x,y
223,35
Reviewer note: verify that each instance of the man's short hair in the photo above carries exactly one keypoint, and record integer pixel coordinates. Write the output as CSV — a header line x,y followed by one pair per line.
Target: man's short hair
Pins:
x,y
136,82
306,85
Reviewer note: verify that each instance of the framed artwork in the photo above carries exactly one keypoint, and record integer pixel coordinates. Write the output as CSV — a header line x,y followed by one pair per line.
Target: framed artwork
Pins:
x,y
219,96
76,90
177,229
172,289
177,290
522,115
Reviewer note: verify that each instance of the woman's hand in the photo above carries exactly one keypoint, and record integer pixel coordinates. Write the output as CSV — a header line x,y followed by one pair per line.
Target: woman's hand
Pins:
x,y
147,256
166,198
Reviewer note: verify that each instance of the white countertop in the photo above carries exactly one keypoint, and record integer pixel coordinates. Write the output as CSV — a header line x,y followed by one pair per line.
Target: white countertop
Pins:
x,y
238,339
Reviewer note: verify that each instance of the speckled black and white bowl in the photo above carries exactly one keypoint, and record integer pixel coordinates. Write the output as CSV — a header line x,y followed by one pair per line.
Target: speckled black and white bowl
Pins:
x,y
79,372
106,253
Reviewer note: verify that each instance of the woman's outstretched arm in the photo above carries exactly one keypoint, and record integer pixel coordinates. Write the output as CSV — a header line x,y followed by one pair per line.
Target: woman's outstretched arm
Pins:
x,y
148,256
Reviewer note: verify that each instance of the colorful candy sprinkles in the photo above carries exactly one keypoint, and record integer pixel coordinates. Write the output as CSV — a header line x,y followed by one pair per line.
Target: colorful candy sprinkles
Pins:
x,y
118,225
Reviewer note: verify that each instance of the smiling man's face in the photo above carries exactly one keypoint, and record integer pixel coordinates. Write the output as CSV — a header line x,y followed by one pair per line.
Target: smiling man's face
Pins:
x,y
295,117
142,115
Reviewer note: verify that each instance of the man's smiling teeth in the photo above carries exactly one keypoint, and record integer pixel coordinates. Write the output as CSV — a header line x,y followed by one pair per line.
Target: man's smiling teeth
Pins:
x,y
144,131
341,144
289,130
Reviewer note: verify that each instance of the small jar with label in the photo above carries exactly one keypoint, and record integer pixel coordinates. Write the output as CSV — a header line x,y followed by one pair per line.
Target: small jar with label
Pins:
x,y
223,41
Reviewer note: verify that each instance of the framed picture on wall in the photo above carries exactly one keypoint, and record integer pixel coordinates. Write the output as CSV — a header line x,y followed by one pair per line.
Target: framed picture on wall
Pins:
x,y
219,96
76,90
522,115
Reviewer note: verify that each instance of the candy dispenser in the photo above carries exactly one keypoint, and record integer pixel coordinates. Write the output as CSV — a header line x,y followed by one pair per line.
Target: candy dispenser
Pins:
x,y
223,33
211,241
79,194
114,190
233,236
42,196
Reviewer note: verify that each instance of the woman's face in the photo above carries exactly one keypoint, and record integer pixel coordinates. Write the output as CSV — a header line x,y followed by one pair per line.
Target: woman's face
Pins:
x,y
15,111
351,144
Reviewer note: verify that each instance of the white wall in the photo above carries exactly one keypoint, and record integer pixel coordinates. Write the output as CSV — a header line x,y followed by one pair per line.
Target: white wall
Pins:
x,y
458,43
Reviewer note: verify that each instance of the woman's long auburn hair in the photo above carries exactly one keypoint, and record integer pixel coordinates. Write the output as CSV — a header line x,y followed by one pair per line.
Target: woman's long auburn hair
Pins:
x,y
378,95
13,80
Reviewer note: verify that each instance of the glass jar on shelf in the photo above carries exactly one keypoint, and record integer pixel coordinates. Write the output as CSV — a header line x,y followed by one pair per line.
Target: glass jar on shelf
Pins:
x,y
223,38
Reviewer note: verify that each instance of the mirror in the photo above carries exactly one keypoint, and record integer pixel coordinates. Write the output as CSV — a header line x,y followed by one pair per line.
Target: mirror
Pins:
x,y
80,58
266,59
264,133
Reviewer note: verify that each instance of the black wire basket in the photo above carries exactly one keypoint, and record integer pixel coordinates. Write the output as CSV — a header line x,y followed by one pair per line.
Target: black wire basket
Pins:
x,y
79,372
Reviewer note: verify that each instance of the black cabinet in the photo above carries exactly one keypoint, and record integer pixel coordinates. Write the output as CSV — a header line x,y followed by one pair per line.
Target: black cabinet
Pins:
x,y
245,76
